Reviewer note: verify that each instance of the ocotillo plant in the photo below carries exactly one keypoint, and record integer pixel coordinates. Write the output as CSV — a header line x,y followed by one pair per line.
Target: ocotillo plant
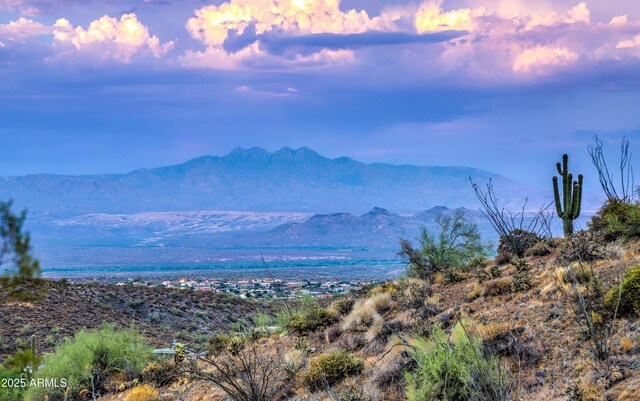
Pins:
x,y
33,359
572,196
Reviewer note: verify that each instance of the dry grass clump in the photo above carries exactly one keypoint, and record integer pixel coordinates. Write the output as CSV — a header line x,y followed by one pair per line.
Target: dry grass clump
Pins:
x,y
143,392
414,292
627,344
352,341
361,318
564,276
367,312
502,259
389,287
378,334
497,286
476,291
491,330
160,373
332,333
295,360
342,306
582,273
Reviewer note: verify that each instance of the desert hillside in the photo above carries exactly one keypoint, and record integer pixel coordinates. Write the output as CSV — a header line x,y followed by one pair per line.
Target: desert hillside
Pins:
x,y
535,325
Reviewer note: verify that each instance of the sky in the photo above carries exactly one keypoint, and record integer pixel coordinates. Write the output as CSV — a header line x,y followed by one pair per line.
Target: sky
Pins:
x,y
91,86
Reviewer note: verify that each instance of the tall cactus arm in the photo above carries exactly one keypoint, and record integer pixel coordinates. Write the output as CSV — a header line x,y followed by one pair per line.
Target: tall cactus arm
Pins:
x,y
556,196
559,167
568,198
577,197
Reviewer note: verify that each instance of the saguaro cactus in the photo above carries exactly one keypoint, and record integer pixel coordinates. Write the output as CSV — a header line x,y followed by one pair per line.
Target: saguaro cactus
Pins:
x,y
572,196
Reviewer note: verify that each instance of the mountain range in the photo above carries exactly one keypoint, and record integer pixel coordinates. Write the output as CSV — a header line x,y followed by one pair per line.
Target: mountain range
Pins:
x,y
288,203
255,180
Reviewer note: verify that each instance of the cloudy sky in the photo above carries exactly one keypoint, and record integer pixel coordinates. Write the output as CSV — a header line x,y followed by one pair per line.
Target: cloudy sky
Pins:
x,y
91,86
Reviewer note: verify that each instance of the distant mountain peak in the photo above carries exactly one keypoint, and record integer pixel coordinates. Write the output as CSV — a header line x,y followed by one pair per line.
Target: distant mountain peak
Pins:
x,y
379,210
253,153
290,154
285,153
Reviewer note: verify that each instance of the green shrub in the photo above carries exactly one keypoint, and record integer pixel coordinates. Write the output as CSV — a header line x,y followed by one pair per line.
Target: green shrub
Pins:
x,y
628,292
517,242
10,393
219,343
92,356
330,368
454,370
312,320
449,252
343,306
616,220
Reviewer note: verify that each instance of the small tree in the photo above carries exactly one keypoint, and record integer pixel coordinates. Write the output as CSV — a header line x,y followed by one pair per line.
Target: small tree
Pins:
x,y
15,245
451,250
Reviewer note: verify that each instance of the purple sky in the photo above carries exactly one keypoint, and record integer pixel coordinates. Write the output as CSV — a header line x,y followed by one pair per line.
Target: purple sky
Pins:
x,y
110,86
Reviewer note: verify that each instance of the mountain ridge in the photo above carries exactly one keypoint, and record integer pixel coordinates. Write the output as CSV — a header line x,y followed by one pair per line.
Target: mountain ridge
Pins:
x,y
287,180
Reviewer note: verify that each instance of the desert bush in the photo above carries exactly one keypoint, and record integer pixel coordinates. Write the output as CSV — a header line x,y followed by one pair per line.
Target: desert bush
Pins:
x,y
518,231
449,252
361,317
89,358
222,342
333,332
577,271
627,293
142,392
342,306
454,369
616,219
502,259
414,293
160,373
295,360
352,341
582,246
517,242
366,312
539,249
330,368
497,286
378,334
388,287
380,302
10,393
312,320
